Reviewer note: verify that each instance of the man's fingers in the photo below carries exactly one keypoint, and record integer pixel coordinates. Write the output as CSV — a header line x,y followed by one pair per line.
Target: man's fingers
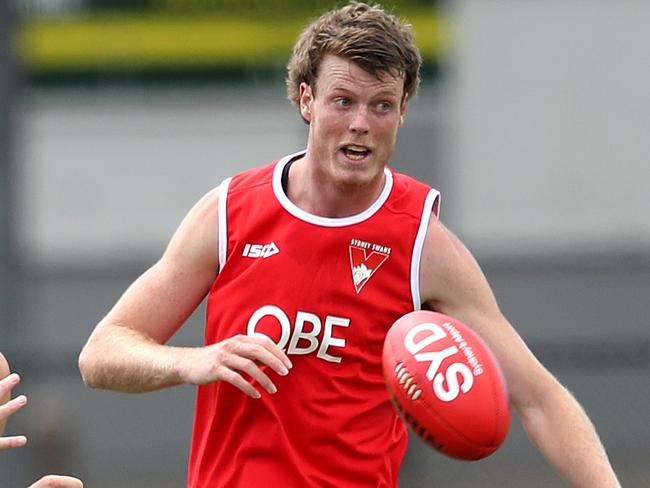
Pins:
x,y
262,355
235,379
272,347
236,355
12,442
12,406
249,367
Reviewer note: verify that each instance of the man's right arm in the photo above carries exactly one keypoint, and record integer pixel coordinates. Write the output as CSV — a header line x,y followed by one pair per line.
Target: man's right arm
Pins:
x,y
127,351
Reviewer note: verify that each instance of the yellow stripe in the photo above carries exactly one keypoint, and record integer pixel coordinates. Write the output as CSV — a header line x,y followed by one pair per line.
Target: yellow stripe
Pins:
x,y
154,41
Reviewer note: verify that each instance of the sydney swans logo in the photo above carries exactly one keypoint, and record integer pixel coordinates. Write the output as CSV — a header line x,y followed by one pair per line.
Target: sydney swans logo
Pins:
x,y
365,260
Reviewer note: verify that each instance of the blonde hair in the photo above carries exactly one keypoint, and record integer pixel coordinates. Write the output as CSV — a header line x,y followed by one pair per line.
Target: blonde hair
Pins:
x,y
380,43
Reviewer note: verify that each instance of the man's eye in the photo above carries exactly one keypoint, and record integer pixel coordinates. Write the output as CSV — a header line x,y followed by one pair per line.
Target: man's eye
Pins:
x,y
384,106
343,102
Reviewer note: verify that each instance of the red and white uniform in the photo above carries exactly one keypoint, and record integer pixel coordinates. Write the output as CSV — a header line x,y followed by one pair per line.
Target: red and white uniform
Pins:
x,y
326,290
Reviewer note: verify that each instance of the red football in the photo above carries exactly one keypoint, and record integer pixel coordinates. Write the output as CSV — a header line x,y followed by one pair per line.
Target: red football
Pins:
x,y
446,384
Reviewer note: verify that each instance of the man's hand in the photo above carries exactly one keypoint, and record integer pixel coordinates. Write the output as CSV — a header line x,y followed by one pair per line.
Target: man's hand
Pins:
x,y
56,481
226,360
7,409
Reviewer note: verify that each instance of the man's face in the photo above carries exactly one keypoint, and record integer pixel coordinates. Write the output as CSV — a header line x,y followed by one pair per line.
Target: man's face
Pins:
x,y
353,121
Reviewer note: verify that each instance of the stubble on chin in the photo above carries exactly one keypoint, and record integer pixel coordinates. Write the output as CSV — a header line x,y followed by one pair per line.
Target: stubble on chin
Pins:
x,y
357,180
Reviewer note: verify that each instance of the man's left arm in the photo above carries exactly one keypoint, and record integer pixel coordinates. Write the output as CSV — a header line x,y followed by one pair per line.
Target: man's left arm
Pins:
x,y
453,283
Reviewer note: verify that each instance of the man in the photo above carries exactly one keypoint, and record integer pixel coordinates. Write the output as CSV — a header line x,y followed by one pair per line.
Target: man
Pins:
x,y
7,408
306,263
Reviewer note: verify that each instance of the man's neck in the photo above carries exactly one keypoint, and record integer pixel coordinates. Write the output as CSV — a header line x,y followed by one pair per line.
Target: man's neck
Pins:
x,y
312,194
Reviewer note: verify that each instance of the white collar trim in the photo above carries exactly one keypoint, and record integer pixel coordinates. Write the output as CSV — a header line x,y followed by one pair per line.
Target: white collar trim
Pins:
x,y
299,213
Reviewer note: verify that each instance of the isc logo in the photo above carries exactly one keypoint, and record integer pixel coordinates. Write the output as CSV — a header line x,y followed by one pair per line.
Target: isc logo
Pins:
x,y
319,338
260,250
430,333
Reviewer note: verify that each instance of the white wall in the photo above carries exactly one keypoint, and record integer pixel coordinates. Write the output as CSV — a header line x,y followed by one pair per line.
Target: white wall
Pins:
x,y
551,104
108,175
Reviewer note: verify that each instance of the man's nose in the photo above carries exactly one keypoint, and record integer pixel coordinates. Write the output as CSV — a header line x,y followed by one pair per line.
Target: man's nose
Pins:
x,y
359,122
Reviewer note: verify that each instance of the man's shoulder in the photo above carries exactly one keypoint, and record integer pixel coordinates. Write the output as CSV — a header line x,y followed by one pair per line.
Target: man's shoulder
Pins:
x,y
252,177
264,175
406,180
413,196
405,185
445,259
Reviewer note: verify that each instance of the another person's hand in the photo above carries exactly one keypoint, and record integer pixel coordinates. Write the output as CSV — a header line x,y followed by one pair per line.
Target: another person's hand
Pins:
x,y
56,481
7,409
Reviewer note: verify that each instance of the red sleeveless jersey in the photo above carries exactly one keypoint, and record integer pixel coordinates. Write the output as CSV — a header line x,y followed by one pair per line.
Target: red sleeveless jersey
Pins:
x,y
326,290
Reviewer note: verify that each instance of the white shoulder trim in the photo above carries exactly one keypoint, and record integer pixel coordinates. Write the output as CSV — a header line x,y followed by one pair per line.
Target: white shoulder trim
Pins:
x,y
431,205
223,222
299,213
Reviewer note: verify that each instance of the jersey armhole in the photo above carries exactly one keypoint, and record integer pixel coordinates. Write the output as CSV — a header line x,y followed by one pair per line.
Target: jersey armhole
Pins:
x,y
431,206
223,222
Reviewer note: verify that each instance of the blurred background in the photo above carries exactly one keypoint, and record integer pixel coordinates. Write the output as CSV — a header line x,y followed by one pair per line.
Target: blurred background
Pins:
x,y
116,116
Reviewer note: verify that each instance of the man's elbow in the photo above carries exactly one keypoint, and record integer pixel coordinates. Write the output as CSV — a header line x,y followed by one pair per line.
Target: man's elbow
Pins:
x,y
546,393
88,366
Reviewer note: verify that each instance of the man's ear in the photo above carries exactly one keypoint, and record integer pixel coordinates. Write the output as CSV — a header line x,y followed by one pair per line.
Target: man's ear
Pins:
x,y
306,100
402,112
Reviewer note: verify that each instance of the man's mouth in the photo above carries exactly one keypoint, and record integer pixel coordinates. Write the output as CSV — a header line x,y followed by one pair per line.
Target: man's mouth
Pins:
x,y
355,152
